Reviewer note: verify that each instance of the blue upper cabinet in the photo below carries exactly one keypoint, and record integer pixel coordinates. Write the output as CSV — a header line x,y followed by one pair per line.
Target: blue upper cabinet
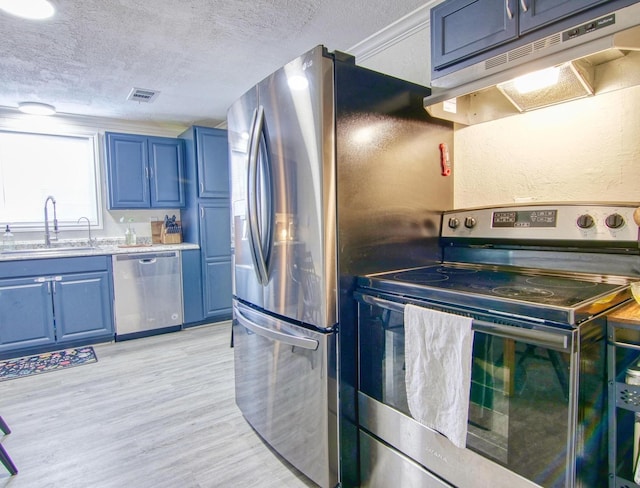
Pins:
x,y
127,173
537,13
461,29
144,172
213,167
166,172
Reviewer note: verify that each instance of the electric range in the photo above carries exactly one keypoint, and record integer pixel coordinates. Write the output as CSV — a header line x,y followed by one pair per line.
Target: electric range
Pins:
x,y
538,282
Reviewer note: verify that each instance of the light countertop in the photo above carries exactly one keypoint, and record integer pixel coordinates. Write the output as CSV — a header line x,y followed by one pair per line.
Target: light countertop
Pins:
x,y
629,314
84,250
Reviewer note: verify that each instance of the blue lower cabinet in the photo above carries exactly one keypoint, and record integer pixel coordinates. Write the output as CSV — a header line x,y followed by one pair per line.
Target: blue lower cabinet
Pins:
x,y
42,308
192,287
26,314
82,306
206,288
218,290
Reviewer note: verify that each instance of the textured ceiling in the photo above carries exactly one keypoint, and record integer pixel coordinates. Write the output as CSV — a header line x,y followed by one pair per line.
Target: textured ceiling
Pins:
x,y
199,54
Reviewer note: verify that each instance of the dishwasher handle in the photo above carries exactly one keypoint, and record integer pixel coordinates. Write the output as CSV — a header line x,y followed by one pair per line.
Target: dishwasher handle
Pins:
x,y
145,257
147,260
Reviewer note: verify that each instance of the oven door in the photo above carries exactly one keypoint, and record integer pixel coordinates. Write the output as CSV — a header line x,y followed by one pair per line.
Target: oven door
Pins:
x,y
537,392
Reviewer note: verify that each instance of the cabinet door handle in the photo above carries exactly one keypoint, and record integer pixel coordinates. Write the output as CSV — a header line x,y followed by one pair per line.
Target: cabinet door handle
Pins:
x,y
41,279
48,288
150,173
201,188
524,5
508,9
146,172
202,212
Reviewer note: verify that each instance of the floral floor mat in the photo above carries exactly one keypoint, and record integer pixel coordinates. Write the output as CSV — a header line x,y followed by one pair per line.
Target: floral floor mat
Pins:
x,y
45,362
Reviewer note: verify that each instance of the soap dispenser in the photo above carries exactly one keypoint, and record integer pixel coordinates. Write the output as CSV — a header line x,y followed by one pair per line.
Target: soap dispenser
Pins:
x,y
130,236
8,241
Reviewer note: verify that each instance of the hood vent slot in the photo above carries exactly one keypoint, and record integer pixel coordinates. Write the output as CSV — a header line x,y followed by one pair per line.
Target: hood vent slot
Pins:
x,y
547,42
495,61
520,52
142,95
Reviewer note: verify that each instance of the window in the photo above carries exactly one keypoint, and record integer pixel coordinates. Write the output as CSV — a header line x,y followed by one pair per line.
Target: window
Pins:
x,y
34,166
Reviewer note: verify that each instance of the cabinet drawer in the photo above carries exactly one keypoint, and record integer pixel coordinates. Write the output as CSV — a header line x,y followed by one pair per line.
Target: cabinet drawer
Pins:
x,y
45,267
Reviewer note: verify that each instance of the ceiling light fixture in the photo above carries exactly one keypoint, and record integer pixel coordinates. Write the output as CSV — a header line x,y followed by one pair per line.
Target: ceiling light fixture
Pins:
x,y
36,108
29,9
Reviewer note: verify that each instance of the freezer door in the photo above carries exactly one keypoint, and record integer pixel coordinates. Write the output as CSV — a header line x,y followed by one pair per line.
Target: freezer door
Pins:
x,y
281,139
286,389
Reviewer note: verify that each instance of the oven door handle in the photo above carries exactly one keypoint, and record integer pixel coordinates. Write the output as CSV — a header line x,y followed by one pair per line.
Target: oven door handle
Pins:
x,y
530,336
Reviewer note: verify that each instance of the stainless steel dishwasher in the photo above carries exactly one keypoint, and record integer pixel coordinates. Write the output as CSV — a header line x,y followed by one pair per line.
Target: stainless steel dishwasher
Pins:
x,y
148,293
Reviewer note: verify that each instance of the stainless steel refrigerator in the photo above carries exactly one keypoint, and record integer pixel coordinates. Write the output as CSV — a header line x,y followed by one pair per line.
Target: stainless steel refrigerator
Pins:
x,y
335,172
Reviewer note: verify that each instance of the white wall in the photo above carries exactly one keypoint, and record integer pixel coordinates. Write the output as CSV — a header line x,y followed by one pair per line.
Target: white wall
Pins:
x,y
586,150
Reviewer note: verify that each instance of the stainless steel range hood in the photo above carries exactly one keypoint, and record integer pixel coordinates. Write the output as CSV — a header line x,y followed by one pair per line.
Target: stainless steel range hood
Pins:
x,y
597,60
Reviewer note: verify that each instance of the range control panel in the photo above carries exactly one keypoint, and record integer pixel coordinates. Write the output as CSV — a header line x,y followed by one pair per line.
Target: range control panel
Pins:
x,y
582,222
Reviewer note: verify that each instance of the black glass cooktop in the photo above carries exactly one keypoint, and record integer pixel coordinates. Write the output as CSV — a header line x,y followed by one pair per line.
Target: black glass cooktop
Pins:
x,y
522,292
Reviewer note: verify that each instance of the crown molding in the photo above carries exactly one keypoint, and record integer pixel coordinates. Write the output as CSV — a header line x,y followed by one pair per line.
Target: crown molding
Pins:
x,y
404,27
11,118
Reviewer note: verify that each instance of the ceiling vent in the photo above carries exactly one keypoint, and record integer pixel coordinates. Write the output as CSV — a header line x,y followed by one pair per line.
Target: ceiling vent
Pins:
x,y
143,95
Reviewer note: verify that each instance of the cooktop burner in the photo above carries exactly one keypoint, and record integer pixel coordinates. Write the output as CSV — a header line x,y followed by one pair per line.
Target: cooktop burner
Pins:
x,y
551,282
524,292
517,291
421,278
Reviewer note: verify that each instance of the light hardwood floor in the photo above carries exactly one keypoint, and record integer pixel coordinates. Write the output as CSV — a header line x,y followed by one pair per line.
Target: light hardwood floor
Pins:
x,y
153,412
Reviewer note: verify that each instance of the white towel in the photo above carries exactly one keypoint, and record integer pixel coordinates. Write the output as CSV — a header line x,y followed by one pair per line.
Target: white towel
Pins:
x,y
438,348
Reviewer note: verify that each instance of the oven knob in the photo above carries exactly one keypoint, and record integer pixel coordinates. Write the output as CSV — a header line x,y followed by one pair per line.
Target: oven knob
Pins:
x,y
585,221
614,221
469,222
454,223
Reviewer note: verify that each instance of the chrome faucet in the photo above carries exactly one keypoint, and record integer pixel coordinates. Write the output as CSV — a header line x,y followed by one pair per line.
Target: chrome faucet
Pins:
x,y
47,234
89,224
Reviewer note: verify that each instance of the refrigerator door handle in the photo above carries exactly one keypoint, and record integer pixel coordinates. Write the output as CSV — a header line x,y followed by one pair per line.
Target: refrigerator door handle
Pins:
x,y
252,197
266,193
276,335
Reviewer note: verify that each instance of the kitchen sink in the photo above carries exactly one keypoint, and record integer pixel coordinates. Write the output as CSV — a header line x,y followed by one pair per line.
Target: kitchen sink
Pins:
x,y
50,250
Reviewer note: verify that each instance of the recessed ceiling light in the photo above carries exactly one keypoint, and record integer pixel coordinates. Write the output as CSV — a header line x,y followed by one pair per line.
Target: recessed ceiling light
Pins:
x,y
29,9
36,108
